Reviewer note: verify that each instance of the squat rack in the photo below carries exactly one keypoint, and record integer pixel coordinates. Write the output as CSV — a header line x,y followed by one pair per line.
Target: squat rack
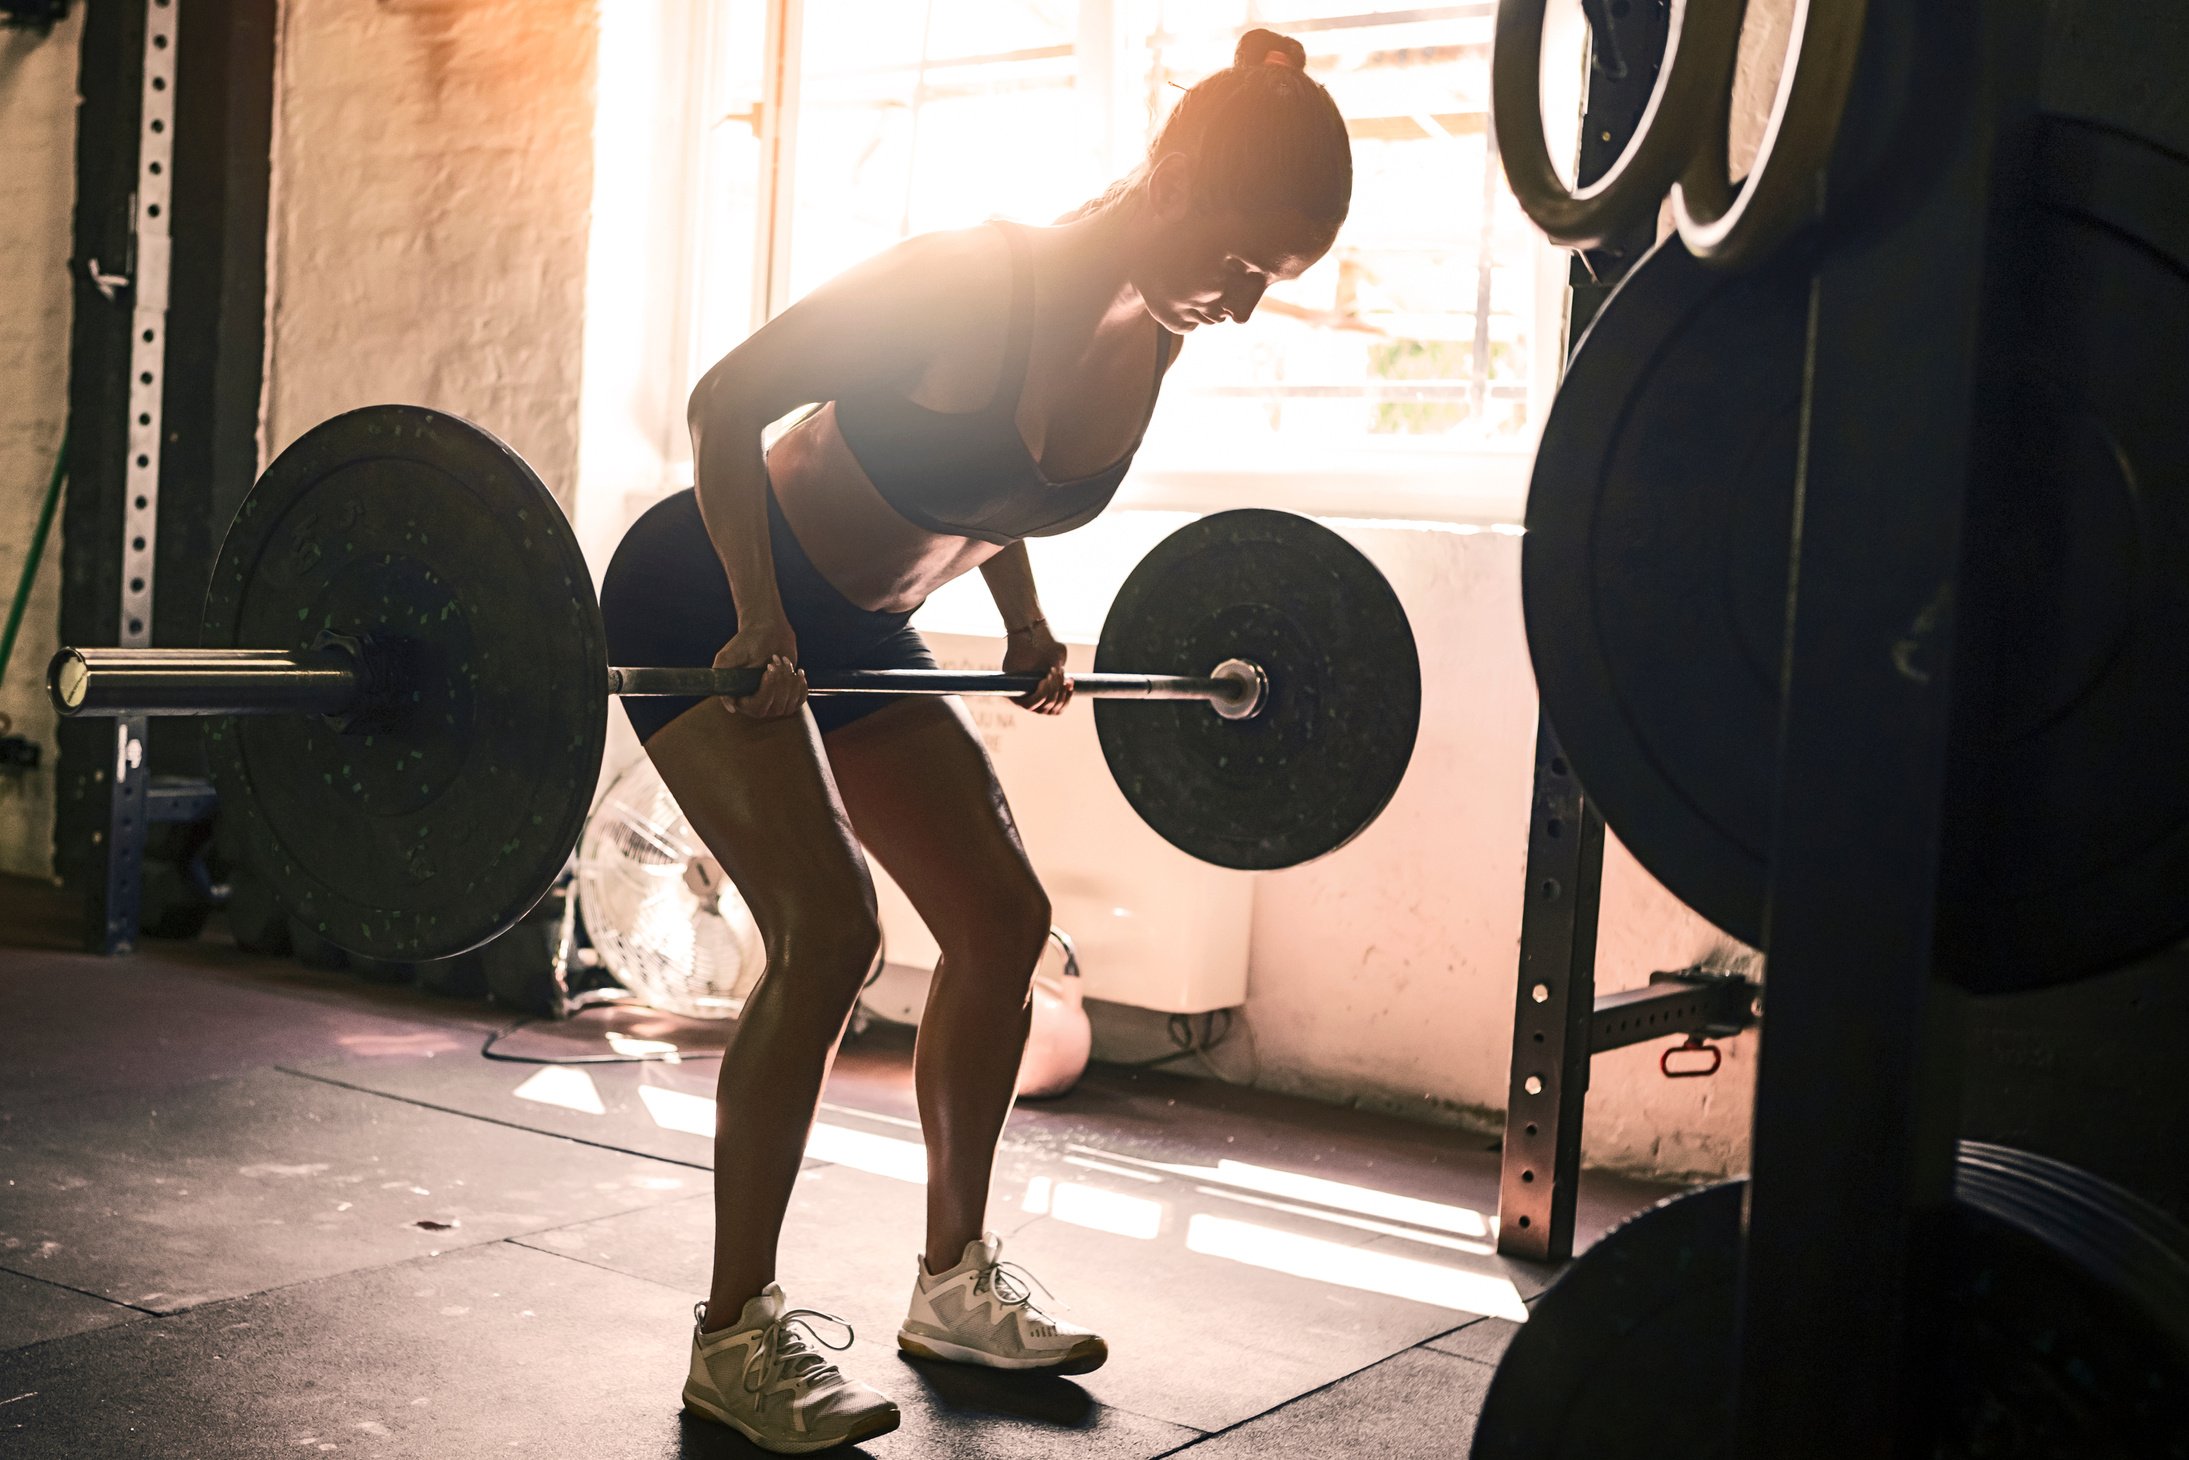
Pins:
x,y
1560,1022
173,161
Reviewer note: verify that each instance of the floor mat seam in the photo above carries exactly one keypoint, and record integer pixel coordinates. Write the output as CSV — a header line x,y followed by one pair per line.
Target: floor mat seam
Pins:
x,y
506,1124
1301,1397
81,1292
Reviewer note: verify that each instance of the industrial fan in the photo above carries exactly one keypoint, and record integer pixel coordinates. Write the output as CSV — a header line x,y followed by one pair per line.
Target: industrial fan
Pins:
x,y
665,920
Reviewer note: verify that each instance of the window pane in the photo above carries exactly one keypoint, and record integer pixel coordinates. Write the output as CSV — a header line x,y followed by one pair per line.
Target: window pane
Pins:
x,y
1413,337
921,116
734,32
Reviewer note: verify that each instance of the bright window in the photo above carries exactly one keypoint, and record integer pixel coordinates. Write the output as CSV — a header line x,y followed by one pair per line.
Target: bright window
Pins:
x,y
1405,372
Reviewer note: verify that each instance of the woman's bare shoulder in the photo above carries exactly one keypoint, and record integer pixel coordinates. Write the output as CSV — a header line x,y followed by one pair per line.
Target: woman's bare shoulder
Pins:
x,y
878,323
948,264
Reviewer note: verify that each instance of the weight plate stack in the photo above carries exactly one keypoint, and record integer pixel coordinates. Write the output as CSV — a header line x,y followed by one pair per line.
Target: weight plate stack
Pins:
x,y
1655,577
2063,1330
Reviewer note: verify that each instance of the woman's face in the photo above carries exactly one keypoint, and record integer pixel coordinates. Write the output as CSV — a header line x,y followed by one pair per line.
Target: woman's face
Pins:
x,y
1201,262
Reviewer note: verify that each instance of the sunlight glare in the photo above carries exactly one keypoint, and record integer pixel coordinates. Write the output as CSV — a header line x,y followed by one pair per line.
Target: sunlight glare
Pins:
x,y
1363,1200
1107,1211
561,1085
1352,1267
624,1044
838,1145
865,1151
1036,1201
678,1110
1369,1202
1363,1224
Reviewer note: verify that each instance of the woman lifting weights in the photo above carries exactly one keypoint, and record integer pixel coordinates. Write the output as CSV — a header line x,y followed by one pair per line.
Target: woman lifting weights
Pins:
x,y
979,387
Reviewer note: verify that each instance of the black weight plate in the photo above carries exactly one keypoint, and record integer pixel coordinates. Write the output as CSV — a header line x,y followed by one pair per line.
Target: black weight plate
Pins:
x,y
518,968
461,977
170,903
431,834
1655,580
256,920
1333,739
2064,1332
313,950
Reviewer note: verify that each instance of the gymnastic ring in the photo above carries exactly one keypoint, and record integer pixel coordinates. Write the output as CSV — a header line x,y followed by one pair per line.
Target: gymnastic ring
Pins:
x,y
1701,47
1783,189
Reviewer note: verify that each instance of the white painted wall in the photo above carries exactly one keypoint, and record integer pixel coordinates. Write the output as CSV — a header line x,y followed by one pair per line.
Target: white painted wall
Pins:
x,y
37,195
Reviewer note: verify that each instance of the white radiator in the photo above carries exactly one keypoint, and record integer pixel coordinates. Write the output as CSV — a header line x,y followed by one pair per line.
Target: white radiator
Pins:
x,y
1155,928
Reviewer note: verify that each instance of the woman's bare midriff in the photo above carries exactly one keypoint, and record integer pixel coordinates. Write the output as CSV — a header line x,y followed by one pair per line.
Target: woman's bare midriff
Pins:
x,y
868,553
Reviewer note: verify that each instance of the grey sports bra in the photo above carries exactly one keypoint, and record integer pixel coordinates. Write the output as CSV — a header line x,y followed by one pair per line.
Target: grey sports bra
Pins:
x,y
968,473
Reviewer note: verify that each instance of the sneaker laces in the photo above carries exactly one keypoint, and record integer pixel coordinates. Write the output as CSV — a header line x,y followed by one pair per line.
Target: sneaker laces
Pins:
x,y
787,1352
997,1275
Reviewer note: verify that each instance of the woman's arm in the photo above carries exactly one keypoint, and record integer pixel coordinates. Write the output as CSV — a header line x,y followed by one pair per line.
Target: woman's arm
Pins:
x,y
878,324
1010,578
1029,647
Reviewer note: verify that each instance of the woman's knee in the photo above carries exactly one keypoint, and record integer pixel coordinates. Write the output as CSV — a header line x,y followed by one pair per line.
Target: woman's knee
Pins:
x,y
1004,930
828,940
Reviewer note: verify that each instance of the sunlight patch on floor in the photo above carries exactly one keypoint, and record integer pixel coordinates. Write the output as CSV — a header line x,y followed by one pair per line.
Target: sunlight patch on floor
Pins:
x,y
1105,1210
1353,1267
563,1087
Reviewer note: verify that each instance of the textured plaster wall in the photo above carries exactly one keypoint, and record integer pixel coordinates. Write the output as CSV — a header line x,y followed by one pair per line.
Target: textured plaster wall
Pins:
x,y
433,176
37,194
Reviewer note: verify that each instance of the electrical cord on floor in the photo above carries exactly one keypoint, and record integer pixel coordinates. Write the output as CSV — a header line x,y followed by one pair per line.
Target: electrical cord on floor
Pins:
x,y
1192,1047
670,1056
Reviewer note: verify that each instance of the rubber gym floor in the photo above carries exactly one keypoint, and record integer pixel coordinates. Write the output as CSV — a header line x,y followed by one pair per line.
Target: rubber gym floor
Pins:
x,y
253,1210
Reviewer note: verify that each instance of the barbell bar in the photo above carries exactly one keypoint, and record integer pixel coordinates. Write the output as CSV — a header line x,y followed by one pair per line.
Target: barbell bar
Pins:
x,y
405,685
332,681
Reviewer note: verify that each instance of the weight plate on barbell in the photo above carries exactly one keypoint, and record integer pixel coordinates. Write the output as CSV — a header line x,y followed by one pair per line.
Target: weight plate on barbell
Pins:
x,y
1336,728
2061,1308
431,833
1655,579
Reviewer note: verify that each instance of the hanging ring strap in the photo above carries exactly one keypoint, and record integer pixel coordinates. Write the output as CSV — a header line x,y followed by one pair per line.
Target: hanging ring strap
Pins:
x,y
1680,143
1784,191
1690,97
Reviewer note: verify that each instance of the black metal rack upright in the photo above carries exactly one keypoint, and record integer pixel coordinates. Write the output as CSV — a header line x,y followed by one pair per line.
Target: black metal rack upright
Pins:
x,y
1831,1338
1560,1023
173,164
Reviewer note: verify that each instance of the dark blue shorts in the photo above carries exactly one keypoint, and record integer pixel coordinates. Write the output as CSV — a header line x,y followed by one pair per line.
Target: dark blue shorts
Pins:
x,y
666,601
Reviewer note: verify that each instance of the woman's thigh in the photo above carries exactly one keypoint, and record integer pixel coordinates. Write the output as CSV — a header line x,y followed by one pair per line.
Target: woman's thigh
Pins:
x,y
924,799
761,795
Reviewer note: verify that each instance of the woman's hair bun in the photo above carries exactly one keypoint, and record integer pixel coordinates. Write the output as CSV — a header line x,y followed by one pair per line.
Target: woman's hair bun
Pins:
x,y
1255,46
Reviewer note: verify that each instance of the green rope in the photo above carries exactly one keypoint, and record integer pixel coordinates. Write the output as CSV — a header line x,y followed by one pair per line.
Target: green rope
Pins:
x,y
37,551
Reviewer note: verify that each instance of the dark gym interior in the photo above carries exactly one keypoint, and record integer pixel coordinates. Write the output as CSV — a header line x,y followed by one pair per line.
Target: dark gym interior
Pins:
x,y
1622,889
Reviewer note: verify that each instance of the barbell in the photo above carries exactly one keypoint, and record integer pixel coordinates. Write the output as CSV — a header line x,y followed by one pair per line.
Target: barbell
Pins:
x,y
403,648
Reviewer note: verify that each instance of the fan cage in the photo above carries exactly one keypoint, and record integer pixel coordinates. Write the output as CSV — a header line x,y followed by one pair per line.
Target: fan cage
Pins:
x,y
668,924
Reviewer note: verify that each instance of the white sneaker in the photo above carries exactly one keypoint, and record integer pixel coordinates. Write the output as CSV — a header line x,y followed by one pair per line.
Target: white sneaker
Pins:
x,y
760,1378
982,1312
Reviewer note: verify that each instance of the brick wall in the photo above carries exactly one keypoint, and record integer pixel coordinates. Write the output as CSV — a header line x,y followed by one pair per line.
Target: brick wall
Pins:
x,y
37,192
433,173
